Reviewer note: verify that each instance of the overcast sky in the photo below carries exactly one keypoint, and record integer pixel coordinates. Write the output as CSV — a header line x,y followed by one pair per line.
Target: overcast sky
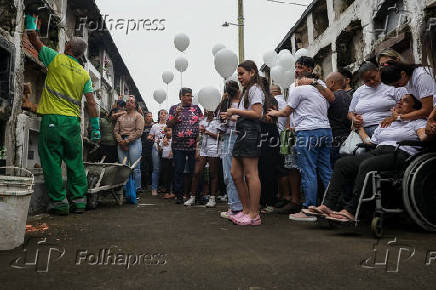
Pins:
x,y
148,53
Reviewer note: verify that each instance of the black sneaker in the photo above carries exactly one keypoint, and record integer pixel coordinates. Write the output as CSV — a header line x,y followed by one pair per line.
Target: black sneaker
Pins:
x,y
288,208
179,200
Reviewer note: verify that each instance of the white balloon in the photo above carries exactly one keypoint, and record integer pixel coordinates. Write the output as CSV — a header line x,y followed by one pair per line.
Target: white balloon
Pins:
x,y
226,62
301,52
195,99
159,95
217,47
287,61
269,57
181,64
284,51
181,42
234,77
167,76
276,73
287,78
209,98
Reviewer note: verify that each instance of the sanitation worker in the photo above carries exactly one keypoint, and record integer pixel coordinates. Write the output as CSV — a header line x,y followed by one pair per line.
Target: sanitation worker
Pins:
x,y
60,133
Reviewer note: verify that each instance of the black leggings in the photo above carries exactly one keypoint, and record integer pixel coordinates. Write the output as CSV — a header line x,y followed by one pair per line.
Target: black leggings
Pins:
x,y
353,169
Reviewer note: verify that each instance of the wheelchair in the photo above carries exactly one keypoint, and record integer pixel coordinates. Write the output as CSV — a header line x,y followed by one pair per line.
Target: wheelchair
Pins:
x,y
417,183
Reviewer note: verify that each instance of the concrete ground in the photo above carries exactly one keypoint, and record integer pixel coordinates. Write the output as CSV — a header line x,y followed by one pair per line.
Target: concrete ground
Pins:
x,y
167,246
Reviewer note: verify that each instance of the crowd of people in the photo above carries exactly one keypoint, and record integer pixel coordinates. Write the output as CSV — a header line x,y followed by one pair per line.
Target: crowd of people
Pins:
x,y
270,151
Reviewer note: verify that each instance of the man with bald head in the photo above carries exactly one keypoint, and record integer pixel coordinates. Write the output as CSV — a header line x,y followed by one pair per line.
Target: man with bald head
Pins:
x,y
338,111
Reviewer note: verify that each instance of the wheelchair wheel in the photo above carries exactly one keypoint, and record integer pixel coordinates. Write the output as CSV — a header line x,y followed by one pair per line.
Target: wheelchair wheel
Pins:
x,y
419,191
377,227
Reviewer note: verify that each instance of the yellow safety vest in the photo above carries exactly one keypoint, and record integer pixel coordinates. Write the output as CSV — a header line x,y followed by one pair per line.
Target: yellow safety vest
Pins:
x,y
63,88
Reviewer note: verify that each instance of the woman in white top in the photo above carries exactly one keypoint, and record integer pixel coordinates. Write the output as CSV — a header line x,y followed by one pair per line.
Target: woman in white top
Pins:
x,y
246,150
228,128
417,80
353,169
156,133
373,101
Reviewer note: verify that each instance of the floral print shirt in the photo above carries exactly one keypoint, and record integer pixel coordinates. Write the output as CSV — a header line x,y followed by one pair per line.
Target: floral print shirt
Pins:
x,y
185,131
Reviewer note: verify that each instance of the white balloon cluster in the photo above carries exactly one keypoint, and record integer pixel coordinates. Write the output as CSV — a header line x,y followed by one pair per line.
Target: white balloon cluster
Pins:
x,y
209,98
283,65
226,61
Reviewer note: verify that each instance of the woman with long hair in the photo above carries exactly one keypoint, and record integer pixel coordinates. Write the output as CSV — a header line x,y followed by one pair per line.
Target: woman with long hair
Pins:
x,y
417,80
156,133
230,100
246,150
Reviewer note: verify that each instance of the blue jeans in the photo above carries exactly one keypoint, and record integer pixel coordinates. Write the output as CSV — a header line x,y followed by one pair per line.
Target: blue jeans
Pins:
x,y
313,152
226,157
134,152
179,167
156,167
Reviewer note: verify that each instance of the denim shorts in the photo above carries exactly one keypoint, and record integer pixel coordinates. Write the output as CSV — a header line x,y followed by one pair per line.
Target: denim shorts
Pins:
x,y
248,142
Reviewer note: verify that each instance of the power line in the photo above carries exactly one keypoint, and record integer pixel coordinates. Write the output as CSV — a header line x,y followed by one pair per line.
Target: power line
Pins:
x,y
290,3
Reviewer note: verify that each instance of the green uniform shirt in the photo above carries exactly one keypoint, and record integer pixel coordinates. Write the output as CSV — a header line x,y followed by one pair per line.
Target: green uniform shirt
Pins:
x,y
65,84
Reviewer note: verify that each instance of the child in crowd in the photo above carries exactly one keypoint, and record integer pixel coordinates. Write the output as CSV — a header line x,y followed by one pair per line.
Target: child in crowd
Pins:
x,y
207,152
167,163
246,150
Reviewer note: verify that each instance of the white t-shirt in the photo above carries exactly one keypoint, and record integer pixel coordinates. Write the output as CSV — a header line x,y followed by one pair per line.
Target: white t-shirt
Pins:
x,y
422,84
375,104
281,121
209,146
399,131
166,150
255,96
157,131
310,108
231,125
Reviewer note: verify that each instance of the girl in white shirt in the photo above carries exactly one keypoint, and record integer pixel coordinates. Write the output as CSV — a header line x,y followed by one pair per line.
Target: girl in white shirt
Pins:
x,y
246,150
417,80
156,133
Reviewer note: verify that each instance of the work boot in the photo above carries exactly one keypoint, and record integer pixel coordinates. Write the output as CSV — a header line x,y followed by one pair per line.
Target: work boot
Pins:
x,y
59,210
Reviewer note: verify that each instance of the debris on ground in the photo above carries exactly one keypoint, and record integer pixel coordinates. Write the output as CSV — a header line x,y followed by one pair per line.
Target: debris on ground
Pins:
x,y
37,228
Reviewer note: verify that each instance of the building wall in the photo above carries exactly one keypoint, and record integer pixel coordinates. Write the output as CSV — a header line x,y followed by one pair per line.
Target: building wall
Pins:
x,y
352,35
21,128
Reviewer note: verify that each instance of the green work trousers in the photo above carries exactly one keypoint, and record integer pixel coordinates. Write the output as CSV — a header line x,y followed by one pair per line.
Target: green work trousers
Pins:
x,y
60,140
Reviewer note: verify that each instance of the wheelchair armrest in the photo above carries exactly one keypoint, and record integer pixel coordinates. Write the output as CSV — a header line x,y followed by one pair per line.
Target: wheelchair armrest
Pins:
x,y
366,146
412,143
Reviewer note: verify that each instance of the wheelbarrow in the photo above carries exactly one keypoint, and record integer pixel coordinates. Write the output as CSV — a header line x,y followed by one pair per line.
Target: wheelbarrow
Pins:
x,y
105,178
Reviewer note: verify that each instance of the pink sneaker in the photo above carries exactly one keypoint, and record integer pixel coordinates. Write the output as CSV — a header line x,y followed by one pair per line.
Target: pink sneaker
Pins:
x,y
256,221
236,216
244,220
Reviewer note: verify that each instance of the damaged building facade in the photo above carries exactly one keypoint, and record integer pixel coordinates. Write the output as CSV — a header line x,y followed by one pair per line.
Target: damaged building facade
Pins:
x,y
19,65
345,33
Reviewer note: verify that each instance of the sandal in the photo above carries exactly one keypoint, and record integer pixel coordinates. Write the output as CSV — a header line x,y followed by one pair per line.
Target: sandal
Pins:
x,y
341,217
315,211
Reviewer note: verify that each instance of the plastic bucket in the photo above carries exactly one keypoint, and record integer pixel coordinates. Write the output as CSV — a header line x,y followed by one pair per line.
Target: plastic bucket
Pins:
x,y
15,194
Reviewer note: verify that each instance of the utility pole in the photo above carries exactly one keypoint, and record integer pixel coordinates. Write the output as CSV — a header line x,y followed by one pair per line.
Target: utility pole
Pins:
x,y
241,29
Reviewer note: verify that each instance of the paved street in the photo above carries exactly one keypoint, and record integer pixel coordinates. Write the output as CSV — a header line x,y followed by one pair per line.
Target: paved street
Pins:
x,y
199,250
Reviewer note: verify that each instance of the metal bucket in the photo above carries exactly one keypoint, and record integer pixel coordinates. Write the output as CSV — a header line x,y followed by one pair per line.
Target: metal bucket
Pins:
x,y
15,194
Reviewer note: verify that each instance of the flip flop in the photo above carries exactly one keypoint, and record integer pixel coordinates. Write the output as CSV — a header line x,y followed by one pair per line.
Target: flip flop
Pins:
x,y
314,211
343,219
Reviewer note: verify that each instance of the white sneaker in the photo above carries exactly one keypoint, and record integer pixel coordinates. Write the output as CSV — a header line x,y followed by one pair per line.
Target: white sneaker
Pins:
x,y
222,198
190,201
211,202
